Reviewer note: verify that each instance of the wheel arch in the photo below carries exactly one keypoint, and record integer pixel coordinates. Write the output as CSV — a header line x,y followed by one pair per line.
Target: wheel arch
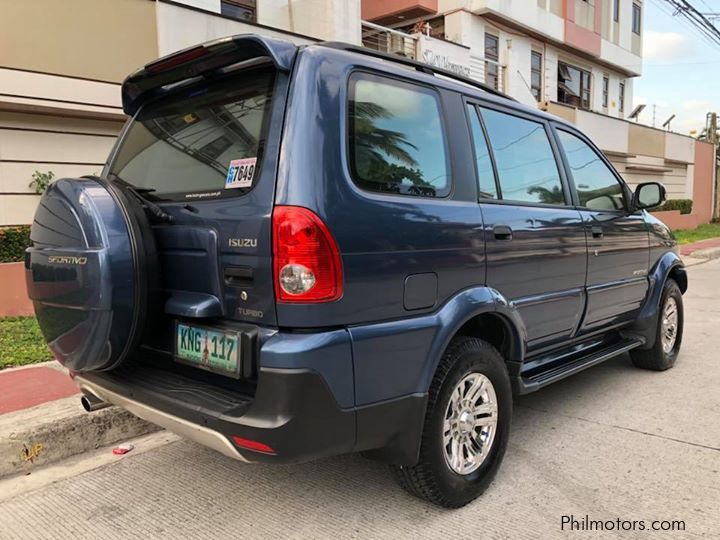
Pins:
x,y
492,319
668,266
480,311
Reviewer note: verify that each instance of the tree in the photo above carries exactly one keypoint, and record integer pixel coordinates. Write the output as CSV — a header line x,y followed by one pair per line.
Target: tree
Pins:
x,y
548,196
383,155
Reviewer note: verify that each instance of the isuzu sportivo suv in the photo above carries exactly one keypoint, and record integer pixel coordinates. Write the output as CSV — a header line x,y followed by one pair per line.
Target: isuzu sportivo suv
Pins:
x,y
296,252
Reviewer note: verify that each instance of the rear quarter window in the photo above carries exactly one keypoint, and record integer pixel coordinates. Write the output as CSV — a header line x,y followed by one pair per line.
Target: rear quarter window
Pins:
x,y
396,138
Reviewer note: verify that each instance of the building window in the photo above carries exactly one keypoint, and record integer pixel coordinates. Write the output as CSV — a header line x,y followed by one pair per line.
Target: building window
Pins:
x,y
621,98
397,141
616,10
242,10
636,18
573,86
605,88
492,68
536,71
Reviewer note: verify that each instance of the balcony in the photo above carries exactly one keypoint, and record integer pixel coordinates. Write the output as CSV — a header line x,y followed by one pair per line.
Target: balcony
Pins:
x,y
387,40
435,52
397,11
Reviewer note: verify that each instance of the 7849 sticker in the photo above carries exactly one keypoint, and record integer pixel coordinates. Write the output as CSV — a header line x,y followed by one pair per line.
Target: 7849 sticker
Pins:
x,y
240,173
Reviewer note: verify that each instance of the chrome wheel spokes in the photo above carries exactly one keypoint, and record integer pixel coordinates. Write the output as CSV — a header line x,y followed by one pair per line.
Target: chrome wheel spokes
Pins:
x,y
669,324
470,423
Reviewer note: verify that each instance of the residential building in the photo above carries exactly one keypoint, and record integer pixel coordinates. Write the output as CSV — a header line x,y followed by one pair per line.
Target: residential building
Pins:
x,y
574,58
60,108
62,63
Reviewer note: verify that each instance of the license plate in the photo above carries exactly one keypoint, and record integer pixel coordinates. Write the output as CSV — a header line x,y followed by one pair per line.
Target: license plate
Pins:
x,y
211,349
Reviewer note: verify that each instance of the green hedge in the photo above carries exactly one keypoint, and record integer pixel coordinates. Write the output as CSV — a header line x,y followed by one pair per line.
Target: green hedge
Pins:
x,y
13,241
684,205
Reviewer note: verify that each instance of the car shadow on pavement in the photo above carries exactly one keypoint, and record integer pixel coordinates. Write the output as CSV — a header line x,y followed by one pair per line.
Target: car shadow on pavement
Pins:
x,y
352,479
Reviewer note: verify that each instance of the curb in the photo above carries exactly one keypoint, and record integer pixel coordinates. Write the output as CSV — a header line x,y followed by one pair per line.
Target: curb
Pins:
x,y
706,253
700,256
59,429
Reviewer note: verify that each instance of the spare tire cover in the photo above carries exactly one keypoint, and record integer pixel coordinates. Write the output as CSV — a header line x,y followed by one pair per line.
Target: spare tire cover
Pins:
x,y
89,272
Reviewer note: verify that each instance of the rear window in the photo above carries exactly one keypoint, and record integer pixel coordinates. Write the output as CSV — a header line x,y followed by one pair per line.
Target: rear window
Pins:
x,y
397,144
206,141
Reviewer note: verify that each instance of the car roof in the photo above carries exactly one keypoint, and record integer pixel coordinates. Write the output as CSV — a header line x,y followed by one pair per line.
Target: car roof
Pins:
x,y
438,77
149,80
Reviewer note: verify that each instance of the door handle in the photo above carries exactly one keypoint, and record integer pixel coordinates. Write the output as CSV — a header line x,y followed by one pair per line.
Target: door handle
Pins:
x,y
502,232
238,276
597,232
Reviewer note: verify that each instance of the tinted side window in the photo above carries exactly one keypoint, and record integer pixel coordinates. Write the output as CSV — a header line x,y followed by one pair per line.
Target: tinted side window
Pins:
x,y
397,144
483,163
597,187
525,162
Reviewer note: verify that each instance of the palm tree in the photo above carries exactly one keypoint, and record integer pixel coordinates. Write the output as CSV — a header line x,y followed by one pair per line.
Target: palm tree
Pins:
x,y
382,155
547,196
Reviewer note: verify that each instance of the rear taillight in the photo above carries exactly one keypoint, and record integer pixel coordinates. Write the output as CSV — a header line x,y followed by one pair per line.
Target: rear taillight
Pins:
x,y
306,259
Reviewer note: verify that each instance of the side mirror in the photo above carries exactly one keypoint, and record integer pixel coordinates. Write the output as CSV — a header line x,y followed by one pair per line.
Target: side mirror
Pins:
x,y
649,195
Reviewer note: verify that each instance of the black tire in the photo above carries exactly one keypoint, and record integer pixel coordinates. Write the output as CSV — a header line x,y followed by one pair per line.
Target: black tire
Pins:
x,y
655,358
432,478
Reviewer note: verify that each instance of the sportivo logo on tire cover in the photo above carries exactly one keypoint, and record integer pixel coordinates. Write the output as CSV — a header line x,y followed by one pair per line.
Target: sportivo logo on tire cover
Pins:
x,y
66,259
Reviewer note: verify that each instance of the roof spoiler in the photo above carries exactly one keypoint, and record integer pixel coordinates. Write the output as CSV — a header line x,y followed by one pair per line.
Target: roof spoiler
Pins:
x,y
149,80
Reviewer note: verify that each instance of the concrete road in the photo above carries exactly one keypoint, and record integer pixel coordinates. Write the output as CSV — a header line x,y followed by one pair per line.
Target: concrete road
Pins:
x,y
613,442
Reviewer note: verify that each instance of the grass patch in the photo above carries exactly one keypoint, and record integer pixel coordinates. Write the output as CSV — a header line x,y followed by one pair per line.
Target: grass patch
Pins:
x,y
21,342
703,232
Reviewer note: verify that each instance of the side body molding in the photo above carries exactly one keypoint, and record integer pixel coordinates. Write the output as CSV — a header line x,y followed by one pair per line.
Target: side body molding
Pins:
x,y
399,358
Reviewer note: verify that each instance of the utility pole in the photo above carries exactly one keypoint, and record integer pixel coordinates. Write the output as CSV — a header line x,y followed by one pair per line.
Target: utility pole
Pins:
x,y
712,137
654,114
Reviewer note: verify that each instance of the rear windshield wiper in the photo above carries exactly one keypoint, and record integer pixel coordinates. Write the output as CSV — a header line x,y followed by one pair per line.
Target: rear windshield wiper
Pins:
x,y
153,211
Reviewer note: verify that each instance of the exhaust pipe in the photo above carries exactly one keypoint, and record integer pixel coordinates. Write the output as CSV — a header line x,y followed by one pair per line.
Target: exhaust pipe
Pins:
x,y
91,402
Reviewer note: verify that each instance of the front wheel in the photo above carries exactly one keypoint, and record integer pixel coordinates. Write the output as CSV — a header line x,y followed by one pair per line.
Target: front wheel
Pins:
x,y
466,426
669,332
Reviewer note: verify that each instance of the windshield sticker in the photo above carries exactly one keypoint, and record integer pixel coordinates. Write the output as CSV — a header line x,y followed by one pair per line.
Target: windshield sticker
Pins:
x,y
240,173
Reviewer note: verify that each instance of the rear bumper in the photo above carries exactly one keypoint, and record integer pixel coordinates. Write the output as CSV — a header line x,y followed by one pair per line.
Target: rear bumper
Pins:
x,y
293,413
189,430
303,407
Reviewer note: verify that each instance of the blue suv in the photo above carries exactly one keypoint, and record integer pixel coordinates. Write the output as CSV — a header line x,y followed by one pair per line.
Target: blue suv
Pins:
x,y
297,252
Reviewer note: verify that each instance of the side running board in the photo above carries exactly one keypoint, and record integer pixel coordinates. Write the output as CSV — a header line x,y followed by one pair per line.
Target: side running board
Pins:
x,y
530,383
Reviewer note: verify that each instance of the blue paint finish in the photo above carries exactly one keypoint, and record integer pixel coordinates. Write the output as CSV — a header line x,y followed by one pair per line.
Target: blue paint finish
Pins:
x,y
328,353
398,358
658,276
80,274
388,237
541,269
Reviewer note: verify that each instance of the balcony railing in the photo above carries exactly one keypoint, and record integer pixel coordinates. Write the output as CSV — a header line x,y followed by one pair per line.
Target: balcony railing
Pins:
x,y
389,40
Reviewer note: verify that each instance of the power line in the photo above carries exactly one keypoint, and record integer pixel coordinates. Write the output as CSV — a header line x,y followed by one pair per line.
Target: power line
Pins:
x,y
668,10
688,12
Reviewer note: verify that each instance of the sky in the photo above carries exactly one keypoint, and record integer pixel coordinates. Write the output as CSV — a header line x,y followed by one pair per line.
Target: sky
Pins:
x,y
681,69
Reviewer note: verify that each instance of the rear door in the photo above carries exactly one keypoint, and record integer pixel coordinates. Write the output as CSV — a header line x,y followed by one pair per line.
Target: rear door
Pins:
x,y
535,239
618,244
207,154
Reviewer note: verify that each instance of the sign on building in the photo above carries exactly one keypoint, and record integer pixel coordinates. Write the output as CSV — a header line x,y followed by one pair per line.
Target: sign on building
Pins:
x,y
443,54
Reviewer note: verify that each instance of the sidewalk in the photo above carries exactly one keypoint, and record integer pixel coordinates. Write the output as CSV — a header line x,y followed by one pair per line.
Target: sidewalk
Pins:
x,y
689,249
42,421
700,252
25,387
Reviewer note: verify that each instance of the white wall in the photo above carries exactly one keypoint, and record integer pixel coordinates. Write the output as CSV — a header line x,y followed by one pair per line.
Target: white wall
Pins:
x,y
524,12
319,19
209,5
179,28
68,147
